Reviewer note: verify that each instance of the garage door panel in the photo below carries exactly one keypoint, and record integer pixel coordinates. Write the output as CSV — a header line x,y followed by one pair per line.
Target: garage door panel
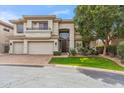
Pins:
x,y
40,48
18,48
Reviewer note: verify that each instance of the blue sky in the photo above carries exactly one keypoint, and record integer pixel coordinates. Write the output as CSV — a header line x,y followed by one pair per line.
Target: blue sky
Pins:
x,y
9,12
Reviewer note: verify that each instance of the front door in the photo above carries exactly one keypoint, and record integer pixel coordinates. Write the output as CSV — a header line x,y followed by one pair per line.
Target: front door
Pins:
x,y
64,45
64,41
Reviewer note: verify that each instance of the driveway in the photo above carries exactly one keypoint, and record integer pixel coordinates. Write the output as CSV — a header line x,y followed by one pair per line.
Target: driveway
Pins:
x,y
25,59
57,77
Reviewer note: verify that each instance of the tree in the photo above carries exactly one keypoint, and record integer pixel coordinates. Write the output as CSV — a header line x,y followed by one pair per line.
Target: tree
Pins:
x,y
84,23
105,21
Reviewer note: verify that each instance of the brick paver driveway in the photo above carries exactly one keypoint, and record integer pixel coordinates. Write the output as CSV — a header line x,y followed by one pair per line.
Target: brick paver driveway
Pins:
x,y
24,59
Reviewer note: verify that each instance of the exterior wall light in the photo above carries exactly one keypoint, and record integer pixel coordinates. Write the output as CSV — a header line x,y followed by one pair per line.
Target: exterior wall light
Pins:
x,y
10,44
55,43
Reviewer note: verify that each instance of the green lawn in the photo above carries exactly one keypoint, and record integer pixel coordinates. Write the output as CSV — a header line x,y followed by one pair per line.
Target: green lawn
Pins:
x,y
96,62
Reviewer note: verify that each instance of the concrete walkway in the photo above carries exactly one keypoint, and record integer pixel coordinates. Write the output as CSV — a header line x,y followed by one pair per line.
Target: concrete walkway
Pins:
x,y
57,77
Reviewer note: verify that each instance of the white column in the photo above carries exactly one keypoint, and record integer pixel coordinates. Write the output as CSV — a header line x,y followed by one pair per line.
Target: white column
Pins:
x,y
50,24
25,27
29,23
71,30
56,45
25,47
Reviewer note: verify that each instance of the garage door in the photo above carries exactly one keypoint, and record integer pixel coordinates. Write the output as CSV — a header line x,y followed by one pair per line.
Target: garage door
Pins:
x,y
40,48
18,48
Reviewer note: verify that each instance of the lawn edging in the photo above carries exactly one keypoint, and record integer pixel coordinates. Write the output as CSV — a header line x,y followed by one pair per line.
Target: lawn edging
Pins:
x,y
114,59
91,68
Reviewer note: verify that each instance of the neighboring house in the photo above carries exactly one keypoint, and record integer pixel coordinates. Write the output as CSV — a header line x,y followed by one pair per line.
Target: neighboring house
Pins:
x,y
100,43
40,34
117,41
5,31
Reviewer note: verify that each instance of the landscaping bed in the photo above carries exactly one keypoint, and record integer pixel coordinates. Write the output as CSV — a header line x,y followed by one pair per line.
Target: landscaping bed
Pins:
x,y
96,62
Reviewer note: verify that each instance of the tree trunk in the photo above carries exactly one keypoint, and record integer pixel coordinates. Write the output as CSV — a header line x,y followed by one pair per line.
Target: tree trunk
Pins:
x,y
104,50
106,44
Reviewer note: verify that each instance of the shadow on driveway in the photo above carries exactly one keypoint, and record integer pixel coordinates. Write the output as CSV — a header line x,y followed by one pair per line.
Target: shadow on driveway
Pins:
x,y
107,77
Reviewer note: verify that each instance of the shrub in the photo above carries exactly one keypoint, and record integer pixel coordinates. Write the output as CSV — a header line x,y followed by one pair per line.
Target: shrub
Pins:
x,y
120,51
6,49
94,51
100,49
112,49
84,51
57,53
89,51
73,52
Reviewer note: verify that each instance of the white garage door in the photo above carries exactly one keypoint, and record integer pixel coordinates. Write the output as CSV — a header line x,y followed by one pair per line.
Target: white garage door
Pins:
x,y
40,48
18,48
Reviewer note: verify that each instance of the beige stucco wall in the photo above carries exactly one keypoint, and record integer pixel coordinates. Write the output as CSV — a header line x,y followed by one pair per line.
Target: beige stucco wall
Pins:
x,y
92,44
4,34
55,28
42,34
117,41
77,36
4,40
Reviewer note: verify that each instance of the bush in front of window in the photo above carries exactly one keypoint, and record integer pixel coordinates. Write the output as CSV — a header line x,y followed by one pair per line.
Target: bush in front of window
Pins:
x,y
56,53
72,52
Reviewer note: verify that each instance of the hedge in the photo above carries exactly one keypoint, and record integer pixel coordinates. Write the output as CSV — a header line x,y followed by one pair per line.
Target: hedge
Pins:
x,y
110,49
120,51
100,49
57,53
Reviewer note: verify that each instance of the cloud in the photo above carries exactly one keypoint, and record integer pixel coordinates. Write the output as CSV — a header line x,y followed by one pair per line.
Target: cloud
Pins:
x,y
65,12
6,15
50,6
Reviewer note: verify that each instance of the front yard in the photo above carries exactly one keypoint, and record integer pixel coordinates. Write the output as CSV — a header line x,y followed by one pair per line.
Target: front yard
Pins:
x,y
96,62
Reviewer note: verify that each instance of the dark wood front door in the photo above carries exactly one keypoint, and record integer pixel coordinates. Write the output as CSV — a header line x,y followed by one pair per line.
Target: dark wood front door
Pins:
x,y
64,45
64,41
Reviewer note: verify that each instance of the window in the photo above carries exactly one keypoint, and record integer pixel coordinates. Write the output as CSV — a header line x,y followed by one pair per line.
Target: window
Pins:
x,y
64,35
78,44
35,25
40,25
43,25
20,28
6,29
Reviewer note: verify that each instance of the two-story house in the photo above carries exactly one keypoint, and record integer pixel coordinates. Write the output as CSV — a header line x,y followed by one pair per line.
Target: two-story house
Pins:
x,y
6,30
40,34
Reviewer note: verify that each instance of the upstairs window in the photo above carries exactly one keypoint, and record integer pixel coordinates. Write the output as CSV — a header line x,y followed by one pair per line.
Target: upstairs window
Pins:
x,y
6,29
43,25
20,28
35,25
40,25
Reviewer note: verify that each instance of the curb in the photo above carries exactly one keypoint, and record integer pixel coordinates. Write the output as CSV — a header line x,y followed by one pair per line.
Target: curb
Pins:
x,y
67,66
21,65
94,69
